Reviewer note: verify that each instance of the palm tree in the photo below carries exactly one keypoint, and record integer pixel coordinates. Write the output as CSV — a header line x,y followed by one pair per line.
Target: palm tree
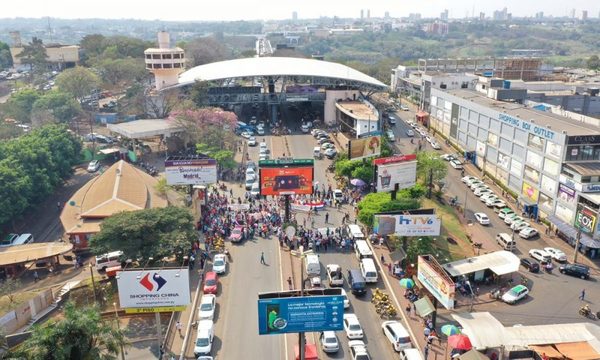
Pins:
x,y
81,334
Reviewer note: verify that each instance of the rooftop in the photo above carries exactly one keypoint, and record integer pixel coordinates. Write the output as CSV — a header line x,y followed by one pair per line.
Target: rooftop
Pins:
x,y
591,168
541,118
357,109
140,129
500,262
30,252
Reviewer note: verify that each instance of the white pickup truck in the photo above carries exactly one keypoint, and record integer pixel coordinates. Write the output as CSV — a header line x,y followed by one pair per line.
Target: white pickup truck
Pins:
x,y
334,274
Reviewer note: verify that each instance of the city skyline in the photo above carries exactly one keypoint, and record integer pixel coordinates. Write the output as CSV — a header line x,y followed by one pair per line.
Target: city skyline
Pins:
x,y
231,10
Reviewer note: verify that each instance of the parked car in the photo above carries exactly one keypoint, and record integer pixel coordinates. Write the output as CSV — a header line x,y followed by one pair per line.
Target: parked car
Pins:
x,y
404,108
352,327
390,135
468,180
247,134
219,264
556,254
515,294
436,146
335,275
578,270
329,342
249,182
211,283
496,203
530,265
396,334
509,219
93,166
487,196
260,130
358,350
206,309
540,255
528,233
505,212
252,141
330,153
204,337
456,164
410,133
450,157
519,225
482,218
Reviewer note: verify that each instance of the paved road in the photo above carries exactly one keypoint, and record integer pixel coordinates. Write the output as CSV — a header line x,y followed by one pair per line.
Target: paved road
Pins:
x,y
379,348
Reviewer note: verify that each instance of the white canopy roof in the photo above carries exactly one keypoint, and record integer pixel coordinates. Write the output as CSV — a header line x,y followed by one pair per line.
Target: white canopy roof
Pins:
x,y
275,66
485,331
500,262
140,129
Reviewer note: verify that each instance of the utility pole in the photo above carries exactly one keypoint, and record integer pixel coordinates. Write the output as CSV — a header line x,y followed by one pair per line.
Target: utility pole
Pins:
x,y
430,183
301,254
577,240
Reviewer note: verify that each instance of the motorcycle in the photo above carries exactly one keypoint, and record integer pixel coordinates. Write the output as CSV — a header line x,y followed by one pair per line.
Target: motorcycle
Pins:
x,y
586,312
548,268
495,294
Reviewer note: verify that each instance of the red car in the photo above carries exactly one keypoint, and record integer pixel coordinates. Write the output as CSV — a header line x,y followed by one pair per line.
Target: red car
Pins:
x,y
211,283
236,234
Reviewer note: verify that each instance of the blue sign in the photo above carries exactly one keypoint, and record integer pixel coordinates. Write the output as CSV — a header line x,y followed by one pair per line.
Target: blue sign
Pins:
x,y
300,314
527,126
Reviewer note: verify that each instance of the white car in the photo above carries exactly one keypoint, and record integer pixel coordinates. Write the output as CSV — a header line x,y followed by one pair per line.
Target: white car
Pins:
x,y
540,255
305,128
519,225
556,254
404,108
515,294
482,191
327,146
260,130
250,172
450,157
468,180
335,275
456,164
358,350
396,334
488,196
93,166
262,145
255,190
511,219
206,309
329,342
390,135
204,337
330,153
410,133
352,327
528,232
249,182
345,296
252,141
392,120
246,134
219,264
482,218
497,203
477,183
436,146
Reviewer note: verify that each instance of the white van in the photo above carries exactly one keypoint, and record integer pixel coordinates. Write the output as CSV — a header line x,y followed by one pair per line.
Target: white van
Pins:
x,y
108,260
354,232
362,250
368,270
317,152
410,354
312,265
506,241
23,239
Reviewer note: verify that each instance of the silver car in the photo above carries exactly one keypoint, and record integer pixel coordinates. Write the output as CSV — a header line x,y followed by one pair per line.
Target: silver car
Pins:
x,y
329,342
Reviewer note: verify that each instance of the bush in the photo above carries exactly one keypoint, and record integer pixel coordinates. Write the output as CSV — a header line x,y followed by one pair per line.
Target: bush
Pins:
x,y
382,202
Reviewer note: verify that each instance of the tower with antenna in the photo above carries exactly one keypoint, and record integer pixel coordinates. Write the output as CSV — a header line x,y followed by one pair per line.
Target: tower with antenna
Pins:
x,y
165,62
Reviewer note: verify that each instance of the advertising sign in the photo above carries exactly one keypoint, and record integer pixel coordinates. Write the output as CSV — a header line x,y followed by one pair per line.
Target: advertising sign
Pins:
x,y
286,180
364,147
191,171
585,220
300,314
435,279
401,170
407,225
530,192
566,194
154,288
155,310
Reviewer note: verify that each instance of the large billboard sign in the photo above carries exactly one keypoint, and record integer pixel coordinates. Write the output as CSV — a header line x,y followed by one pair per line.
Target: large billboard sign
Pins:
x,y
396,170
407,225
585,220
154,288
300,314
286,177
435,279
191,171
364,147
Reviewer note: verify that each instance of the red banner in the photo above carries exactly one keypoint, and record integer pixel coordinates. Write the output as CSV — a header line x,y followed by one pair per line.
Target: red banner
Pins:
x,y
282,181
395,159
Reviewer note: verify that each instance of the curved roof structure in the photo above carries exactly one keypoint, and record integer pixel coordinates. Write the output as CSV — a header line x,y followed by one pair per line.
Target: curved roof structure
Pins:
x,y
279,66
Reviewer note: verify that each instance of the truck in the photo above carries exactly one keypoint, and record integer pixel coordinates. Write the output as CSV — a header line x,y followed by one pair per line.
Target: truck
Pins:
x,y
334,274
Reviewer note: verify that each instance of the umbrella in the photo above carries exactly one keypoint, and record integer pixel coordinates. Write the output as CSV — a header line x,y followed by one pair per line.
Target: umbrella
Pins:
x,y
450,329
460,342
357,182
407,283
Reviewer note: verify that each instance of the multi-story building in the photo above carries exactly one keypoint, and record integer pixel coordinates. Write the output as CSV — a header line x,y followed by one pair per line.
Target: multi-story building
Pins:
x,y
551,163
165,62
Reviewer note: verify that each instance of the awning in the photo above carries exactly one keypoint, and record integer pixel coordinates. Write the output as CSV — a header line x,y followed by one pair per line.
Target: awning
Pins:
x,y
422,113
571,232
578,350
109,150
424,306
473,355
546,350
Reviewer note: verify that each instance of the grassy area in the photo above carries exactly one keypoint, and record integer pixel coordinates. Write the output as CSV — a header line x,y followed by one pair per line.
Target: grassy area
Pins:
x,y
19,298
451,227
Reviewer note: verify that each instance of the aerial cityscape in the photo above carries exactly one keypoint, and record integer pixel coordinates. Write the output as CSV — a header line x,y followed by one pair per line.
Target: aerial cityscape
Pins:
x,y
324,180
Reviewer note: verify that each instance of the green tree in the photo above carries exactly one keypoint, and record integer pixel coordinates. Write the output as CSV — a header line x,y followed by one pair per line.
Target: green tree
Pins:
x,y
199,93
34,55
364,172
429,163
208,126
5,57
593,62
10,288
121,71
419,246
20,104
62,106
81,334
382,202
77,81
146,233
15,191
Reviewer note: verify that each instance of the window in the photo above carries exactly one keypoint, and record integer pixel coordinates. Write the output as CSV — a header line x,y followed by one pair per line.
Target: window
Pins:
x,y
464,85
156,56
536,142
551,167
534,159
166,56
148,56
166,66
177,65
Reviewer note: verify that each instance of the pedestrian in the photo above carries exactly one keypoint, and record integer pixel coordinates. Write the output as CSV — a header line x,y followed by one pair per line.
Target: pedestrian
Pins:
x,y
389,265
289,281
36,277
262,258
407,309
381,241
426,332
382,259
178,327
426,351
58,206
582,296
326,218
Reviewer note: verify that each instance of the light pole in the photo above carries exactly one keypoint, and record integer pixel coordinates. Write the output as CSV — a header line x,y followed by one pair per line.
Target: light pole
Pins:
x,y
119,328
577,240
301,254
93,282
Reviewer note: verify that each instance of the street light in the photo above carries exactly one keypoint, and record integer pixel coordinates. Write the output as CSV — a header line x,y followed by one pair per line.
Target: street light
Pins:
x,y
301,254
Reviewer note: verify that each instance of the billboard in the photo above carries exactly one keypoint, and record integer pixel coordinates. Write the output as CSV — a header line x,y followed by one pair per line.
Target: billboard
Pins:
x,y
400,170
300,314
364,147
530,192
154,288
407,225
585,220
436,280
191,171
286,180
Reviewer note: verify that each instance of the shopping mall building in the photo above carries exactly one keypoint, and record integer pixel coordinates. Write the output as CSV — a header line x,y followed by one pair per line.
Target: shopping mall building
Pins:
x,y
551,162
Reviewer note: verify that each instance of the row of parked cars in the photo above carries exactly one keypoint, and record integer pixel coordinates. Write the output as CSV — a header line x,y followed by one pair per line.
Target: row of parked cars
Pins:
x,y
252,181
325,144
206,309
431,140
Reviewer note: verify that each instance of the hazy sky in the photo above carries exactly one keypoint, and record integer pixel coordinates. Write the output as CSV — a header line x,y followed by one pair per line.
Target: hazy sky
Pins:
x,y
280,9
